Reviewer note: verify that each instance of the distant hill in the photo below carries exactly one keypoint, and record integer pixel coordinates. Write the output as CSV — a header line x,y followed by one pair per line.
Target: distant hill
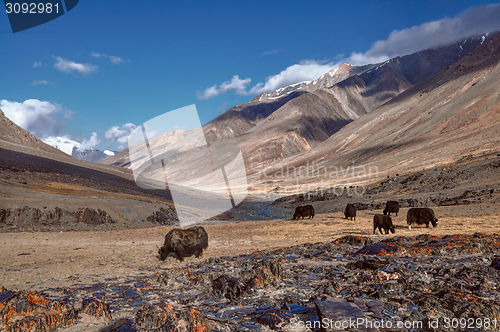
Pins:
x,y
10,132
72,148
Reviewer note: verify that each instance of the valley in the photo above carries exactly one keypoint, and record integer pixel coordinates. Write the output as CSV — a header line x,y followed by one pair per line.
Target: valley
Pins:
x,y
422,129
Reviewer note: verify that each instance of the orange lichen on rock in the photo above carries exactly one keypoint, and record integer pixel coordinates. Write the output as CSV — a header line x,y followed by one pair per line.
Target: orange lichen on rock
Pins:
x,y
30,311
154,316
95,307
196,322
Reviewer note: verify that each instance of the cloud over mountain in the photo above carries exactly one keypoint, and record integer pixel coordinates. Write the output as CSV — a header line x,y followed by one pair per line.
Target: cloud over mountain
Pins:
x,y
89,143
474,21
120,134
304,71
236,85
40,118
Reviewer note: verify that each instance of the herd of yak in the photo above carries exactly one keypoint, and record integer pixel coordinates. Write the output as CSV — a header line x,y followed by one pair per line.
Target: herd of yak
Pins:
x,y
180,243
417,216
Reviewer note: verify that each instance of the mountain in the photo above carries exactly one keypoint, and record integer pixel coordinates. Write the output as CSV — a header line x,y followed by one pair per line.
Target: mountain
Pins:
x,y
71,147
40,180
449,116
336,119
10,132
93,155
380,82
338,98
64,144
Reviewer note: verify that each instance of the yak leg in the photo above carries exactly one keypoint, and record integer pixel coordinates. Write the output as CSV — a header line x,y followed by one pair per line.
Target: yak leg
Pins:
x,y
199,252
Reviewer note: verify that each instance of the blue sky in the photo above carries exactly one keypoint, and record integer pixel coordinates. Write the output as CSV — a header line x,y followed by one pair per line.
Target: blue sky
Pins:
x,y
110,63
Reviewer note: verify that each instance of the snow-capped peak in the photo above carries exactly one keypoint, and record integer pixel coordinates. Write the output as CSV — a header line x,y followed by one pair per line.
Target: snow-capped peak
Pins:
x,y
63,143
109,153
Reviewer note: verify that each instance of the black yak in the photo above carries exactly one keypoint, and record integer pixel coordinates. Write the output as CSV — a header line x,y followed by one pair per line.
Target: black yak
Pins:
x,y
421,216
350,211
391,207
382,221
303,211
182,243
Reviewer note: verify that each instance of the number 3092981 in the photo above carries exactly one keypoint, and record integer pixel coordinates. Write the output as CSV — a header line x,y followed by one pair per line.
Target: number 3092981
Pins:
x,y
32,8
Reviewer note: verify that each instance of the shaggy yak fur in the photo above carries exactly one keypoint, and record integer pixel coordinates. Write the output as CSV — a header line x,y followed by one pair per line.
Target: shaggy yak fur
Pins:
x,y
350,211
303,211
391,207
421,216
180,243
382,221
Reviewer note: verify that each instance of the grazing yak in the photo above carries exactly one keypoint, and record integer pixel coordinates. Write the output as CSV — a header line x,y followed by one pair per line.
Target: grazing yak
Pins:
x,y
391,207
180,243
303,211
350,211
382,221
421,216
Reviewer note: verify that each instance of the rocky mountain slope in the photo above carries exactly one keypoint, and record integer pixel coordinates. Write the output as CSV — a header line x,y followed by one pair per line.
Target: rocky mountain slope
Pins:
x,y
439,120
308,120
40,186
281,124
11,133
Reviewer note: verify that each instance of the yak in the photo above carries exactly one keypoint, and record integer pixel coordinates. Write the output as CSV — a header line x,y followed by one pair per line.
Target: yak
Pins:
x,y
303,211
350,211
180,243
391,207
421,216
382,221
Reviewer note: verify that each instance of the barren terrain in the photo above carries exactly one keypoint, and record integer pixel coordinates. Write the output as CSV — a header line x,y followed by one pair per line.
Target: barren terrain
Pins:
x,y
41,260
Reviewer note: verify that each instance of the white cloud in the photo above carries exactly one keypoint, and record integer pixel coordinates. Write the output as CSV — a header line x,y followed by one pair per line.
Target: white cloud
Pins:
x,y
236,84
38,117
89,143
69,66
114,59
271,52
120,135
304,71
474,21
44,82
37,64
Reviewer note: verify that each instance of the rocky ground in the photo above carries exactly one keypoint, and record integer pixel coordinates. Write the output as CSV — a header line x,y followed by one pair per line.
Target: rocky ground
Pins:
x,y
418,283
278,274
78,258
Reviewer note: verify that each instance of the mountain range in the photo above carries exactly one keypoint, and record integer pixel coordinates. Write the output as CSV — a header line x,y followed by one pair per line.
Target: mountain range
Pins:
x,y
406,114
73,148
370,115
